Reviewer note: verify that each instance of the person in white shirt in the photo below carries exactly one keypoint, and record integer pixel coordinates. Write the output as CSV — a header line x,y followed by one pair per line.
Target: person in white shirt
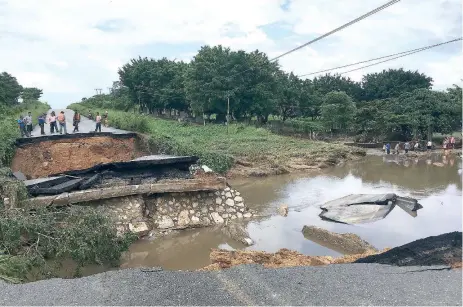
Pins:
x,y
429,145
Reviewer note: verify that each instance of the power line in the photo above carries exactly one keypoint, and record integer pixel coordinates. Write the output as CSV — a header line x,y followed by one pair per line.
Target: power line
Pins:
x,y
339,28
329,33
382,57
419,50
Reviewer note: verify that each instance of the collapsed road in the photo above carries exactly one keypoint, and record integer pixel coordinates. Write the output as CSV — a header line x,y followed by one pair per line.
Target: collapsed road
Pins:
x,y
346,284
366,208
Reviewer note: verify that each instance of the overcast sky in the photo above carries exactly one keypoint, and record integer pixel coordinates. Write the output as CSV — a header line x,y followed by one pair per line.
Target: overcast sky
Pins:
x,y
70,47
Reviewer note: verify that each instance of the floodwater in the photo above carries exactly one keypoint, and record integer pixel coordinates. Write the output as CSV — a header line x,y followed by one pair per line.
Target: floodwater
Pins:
x,y
435,180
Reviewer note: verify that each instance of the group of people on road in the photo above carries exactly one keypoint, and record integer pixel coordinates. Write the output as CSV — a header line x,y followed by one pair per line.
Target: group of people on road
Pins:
x,y
26,127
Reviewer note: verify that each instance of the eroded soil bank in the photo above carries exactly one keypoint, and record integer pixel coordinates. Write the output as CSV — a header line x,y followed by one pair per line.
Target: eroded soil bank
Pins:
x,y
445,249
313,160
52,157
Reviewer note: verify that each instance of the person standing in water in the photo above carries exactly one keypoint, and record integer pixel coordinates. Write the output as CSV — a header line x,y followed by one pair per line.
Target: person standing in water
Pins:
x,y
62,123
407,146
76,121
452,142
396,148
388,148
429,145
98,122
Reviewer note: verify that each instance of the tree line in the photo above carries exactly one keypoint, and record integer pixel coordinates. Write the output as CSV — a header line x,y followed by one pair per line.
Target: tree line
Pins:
x,y
11,91
390,103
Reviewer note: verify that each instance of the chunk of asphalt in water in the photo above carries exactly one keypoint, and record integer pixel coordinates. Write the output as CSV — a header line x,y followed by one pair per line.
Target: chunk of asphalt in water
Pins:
x,y
366,208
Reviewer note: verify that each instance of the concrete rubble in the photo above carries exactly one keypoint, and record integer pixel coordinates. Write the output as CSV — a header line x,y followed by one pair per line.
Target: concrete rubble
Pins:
x,y
344,243
366,208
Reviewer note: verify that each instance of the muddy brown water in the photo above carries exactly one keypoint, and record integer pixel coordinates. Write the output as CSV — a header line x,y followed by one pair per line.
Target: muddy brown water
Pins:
x,y
438,188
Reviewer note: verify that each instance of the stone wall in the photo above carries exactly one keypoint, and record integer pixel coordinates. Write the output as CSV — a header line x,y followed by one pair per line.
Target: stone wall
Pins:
x,y
182,210
175,210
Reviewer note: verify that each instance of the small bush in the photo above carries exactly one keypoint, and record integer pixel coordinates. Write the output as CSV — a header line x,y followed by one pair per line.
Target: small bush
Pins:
x,y
32,239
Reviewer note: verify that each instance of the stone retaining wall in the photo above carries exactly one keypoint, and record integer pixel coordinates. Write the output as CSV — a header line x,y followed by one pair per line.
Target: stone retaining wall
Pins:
x,y
174,210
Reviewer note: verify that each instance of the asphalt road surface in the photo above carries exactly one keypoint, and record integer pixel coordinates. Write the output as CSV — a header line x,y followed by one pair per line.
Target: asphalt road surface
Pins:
x,y
86,125
346,284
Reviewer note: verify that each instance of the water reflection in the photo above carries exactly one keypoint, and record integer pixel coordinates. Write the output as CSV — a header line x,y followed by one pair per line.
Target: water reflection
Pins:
x,y
437,187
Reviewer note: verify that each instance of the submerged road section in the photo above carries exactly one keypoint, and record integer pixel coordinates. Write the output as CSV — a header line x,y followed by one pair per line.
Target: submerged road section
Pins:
x,y
346,284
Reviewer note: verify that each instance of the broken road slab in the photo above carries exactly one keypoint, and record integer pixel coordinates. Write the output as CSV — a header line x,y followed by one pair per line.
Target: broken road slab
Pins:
x,y
366,208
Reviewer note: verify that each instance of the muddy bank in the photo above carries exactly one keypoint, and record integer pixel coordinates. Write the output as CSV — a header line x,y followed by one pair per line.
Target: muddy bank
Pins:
x,y
313,161
223,259
444,249
56,156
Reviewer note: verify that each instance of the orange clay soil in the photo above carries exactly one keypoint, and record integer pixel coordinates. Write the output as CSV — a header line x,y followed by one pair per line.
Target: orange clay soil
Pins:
x,y
52,157
222,259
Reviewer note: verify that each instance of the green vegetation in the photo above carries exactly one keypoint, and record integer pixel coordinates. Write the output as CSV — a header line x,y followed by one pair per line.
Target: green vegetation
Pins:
x,y
11,109
370,110
33,244
217,148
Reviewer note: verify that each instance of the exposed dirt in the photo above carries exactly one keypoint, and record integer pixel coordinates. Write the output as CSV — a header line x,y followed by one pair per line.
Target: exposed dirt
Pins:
x,y
444,249
222,259
52,157
275,166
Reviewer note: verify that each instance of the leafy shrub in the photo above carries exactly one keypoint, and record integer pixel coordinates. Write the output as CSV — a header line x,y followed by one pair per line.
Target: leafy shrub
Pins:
x,y
31,239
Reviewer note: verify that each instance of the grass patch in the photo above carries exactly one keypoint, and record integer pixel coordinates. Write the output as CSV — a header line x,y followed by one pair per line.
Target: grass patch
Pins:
x,y
213,145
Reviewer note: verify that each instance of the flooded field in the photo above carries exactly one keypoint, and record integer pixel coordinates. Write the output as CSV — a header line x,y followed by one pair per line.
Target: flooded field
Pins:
x,y
435,180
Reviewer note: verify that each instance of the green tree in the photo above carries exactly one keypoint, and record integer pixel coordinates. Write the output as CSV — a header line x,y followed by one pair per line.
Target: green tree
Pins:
x,y
337,111
426,111
392,83
31,93
335,83
10,89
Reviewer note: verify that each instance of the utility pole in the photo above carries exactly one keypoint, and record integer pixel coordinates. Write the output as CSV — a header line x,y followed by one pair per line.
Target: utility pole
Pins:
x,y
228,111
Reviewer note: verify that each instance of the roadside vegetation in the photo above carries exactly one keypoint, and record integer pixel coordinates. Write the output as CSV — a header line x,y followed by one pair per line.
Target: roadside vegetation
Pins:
x,y
33,243
221,148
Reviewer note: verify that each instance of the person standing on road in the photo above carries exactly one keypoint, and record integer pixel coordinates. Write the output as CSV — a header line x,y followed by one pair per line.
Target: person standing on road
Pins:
x,y
22,126
41,121
98,122
28,122
105,119
62,123
52,122
407,146
76,121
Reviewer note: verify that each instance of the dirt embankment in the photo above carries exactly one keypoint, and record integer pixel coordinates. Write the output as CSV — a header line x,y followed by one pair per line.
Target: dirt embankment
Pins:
x,y
314,160
222,259
445,249
51,157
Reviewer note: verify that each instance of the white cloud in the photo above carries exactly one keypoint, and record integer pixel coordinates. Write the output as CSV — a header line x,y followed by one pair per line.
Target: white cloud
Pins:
x,y
57,45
